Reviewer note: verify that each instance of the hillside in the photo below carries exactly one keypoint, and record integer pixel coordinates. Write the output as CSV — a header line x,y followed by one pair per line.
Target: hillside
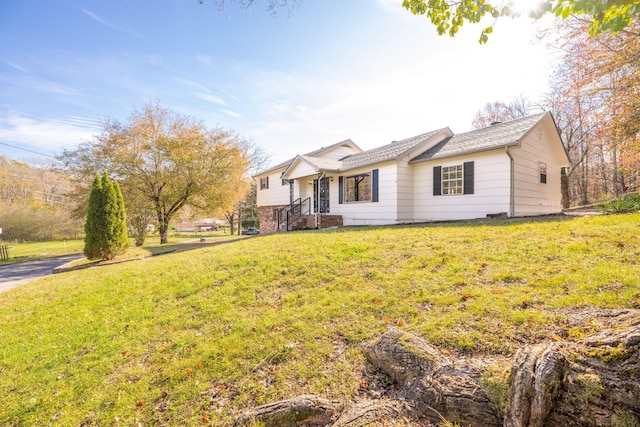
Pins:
x,y
196,338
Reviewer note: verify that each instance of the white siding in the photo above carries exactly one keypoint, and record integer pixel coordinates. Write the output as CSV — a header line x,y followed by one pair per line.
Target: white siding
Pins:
x,y
301,169
369,213
303,189
491,189
276,194
405,196
531,196
339,152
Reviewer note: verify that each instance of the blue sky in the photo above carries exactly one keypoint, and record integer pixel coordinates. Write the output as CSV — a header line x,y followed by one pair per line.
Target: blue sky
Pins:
x,y
327,71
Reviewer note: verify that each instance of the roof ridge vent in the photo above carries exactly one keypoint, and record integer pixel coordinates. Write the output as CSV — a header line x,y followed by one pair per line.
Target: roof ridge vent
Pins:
x,y
495,123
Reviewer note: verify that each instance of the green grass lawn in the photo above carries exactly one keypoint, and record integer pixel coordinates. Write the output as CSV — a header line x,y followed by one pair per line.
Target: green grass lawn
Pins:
x,y
21,252
196,337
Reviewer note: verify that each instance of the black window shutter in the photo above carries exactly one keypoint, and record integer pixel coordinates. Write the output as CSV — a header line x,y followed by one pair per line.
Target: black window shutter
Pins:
x,y
267,183
340,190
374,186
437,180
468,177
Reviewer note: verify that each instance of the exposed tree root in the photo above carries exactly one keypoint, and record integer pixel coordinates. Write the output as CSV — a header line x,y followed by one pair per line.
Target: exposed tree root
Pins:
x,y
299,411
591,382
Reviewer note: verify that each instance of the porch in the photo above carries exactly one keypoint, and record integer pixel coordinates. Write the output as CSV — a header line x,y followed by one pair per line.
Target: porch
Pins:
x,y
299,215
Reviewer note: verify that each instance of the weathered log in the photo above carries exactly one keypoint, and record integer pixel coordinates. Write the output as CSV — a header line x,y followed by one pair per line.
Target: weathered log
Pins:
x,y
431,383
536,375
368,412
601,382
307,410
590,382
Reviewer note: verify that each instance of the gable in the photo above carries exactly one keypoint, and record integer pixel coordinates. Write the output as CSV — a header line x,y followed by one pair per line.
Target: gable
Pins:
x,y
492,137
337,151
334,151
299,167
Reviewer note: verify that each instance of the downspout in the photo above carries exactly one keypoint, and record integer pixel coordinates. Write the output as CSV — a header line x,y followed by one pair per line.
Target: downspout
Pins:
x,y
512,179
320,177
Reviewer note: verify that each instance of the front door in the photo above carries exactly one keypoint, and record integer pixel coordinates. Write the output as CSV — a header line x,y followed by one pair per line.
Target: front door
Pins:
x,y
321,195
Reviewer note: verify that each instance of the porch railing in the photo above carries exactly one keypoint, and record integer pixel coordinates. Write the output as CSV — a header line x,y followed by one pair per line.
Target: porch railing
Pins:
x,y
288,215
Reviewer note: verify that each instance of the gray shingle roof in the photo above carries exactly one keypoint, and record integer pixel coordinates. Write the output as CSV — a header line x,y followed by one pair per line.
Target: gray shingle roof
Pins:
x,y
323,164
386,152
495,136
311,154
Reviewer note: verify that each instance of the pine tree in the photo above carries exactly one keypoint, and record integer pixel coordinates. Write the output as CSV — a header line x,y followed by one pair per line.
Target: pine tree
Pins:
x,y
105,228
123,235
94,225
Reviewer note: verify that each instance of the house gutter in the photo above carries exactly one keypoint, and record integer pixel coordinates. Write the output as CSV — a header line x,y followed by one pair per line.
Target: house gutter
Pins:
x,y
512,179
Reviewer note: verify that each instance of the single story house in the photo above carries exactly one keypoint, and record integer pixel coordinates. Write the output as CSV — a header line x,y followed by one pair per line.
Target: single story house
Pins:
x,y
206,224
511,169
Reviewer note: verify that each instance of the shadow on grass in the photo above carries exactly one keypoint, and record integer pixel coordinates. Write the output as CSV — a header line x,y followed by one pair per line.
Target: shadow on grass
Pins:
x,y
137,253
482,222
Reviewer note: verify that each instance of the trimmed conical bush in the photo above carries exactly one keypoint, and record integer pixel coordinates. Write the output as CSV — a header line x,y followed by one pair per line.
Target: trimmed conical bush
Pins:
x,y
105,228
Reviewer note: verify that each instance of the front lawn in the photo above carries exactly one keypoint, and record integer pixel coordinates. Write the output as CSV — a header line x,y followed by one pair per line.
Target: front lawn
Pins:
x,y
32,251
194,338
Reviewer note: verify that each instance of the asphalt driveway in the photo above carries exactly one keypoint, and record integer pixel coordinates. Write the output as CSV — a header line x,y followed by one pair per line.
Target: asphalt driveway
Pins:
x,y
14,275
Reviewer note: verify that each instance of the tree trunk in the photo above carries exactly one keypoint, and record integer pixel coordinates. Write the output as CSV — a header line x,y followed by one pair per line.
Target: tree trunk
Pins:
x,y
230,216
589,382
564,186
163,228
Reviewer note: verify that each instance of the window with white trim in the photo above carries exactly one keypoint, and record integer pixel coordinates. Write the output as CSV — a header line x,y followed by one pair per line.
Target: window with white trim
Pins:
x,y
452,180
543,173
357,188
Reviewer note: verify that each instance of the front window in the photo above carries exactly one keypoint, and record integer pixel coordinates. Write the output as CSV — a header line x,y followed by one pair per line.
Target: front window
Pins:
x,y
452,182
357,188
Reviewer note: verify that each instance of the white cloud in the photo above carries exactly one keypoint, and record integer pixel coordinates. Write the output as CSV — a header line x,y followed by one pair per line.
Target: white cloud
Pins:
x,y
17,67
230,95
204,59
232,114
124,29
37,84
212,98
51,133
196,85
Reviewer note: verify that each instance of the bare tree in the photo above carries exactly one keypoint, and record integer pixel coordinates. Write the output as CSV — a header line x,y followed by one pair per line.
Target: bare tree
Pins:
x,y
499,111
272,6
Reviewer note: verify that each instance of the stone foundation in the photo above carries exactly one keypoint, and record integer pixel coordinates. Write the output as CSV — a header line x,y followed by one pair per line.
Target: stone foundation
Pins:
x,y
326,221
268,222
